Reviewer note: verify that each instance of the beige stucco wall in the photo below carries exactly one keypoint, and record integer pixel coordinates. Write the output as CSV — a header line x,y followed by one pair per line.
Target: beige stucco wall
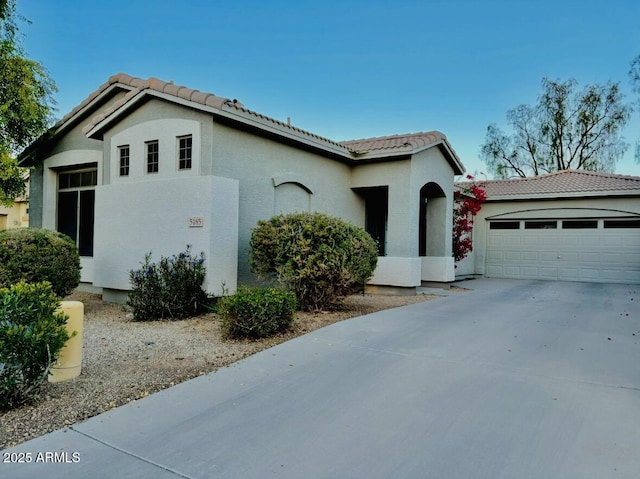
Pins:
x,y
161,223
145,212
540,209
162,121
73,148
405,179
15,216
263,166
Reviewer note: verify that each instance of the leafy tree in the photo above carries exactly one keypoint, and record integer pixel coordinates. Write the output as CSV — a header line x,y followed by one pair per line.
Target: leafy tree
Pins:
x,y
566,128
25,102
634,75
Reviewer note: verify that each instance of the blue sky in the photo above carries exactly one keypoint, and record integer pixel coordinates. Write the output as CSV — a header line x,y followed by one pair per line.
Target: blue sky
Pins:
x,y
346,69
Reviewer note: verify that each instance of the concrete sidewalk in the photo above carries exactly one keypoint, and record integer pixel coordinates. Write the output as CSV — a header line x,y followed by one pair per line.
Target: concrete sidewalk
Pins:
x,y
514,379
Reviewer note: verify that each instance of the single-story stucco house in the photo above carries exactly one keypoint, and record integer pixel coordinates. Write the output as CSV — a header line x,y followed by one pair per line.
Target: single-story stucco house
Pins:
x,y
147,165
572,225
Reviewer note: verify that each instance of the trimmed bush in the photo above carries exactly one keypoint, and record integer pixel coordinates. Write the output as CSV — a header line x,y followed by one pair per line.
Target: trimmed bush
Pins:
x,y
256,313
36,255
171,288
320,258
31,337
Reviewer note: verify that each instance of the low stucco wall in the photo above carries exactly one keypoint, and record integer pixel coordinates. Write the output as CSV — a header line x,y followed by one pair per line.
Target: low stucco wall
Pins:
x,y
164,216
396,271
440,269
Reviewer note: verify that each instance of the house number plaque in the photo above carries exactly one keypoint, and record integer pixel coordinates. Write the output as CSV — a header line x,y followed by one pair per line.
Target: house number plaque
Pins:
x,y
196,222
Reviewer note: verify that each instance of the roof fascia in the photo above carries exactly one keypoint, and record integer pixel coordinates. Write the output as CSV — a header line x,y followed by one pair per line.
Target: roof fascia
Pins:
x,y
407,151
59,128
231,115
566,196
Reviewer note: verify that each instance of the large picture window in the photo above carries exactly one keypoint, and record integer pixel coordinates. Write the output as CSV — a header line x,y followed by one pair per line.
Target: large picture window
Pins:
x,y
76,201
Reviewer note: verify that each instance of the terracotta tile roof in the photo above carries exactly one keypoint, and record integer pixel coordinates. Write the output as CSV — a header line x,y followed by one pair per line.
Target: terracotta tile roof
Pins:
x,y
137,88
412,141
409,142
139,85
562,183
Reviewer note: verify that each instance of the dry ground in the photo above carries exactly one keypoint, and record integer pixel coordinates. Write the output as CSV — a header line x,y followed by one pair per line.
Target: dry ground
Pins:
x,y
124,360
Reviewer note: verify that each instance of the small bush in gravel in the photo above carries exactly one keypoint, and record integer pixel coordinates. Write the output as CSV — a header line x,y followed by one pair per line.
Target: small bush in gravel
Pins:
x,y
31,337
35,255
256,313
320,258
171,288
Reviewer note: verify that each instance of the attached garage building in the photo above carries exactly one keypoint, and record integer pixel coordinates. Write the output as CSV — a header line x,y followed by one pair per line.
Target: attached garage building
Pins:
x,y
568,226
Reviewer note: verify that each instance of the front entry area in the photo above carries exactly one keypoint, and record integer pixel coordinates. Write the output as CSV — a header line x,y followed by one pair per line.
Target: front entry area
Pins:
x,y
602,250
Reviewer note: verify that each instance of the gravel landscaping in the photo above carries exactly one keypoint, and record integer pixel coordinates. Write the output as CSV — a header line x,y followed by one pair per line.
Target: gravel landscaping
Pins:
x,y
124,360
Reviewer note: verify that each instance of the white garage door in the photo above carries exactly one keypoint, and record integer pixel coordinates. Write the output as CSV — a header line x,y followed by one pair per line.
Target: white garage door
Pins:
x,y
592,250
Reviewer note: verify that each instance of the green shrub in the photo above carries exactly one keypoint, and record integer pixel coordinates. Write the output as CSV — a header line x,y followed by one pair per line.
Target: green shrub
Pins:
x,y
36,255
31,337
171,288
256,313
320,258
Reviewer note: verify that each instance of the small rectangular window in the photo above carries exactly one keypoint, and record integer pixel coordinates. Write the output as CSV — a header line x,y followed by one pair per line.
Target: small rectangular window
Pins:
x,y
184,152
540,225
579,224
622,223
123,153
152,156
504,225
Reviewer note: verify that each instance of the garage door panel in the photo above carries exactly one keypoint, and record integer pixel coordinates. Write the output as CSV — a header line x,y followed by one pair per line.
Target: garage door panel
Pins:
x,y
590,241
530,240
613,258
589,254
568,274
511,256
569,256
631,259
611,241
495,256
548,256
589,257
569,241
550,239
512,271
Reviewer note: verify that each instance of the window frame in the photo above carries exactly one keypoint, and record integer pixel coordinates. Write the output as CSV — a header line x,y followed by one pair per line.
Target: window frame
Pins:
x,y
185,153
504,225
152,153
124,166
541,224
77,187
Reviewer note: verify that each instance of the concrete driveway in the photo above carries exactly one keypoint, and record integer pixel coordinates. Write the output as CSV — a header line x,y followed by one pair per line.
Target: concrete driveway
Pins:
x,y
514,379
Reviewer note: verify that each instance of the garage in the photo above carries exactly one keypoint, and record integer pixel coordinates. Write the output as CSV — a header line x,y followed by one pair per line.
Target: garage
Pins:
x,y
587,249
571,225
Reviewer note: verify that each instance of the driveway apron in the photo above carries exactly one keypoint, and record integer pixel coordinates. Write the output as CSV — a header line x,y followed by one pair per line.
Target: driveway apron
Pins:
x,y
510,379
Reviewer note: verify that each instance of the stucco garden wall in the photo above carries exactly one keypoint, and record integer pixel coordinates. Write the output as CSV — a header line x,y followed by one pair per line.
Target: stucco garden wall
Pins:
x,y
159,216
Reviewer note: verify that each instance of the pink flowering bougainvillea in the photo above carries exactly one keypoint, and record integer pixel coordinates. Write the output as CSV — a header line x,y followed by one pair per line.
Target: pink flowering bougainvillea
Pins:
x,y
468,201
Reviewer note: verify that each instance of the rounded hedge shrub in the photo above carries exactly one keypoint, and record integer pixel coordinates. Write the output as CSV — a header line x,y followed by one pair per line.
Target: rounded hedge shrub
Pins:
x,y
31,337
256,313
36,255
171,288
320,258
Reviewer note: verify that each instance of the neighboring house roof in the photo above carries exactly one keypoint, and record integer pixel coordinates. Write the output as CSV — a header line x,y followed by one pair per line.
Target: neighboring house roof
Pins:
x,y
139,90
562,184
